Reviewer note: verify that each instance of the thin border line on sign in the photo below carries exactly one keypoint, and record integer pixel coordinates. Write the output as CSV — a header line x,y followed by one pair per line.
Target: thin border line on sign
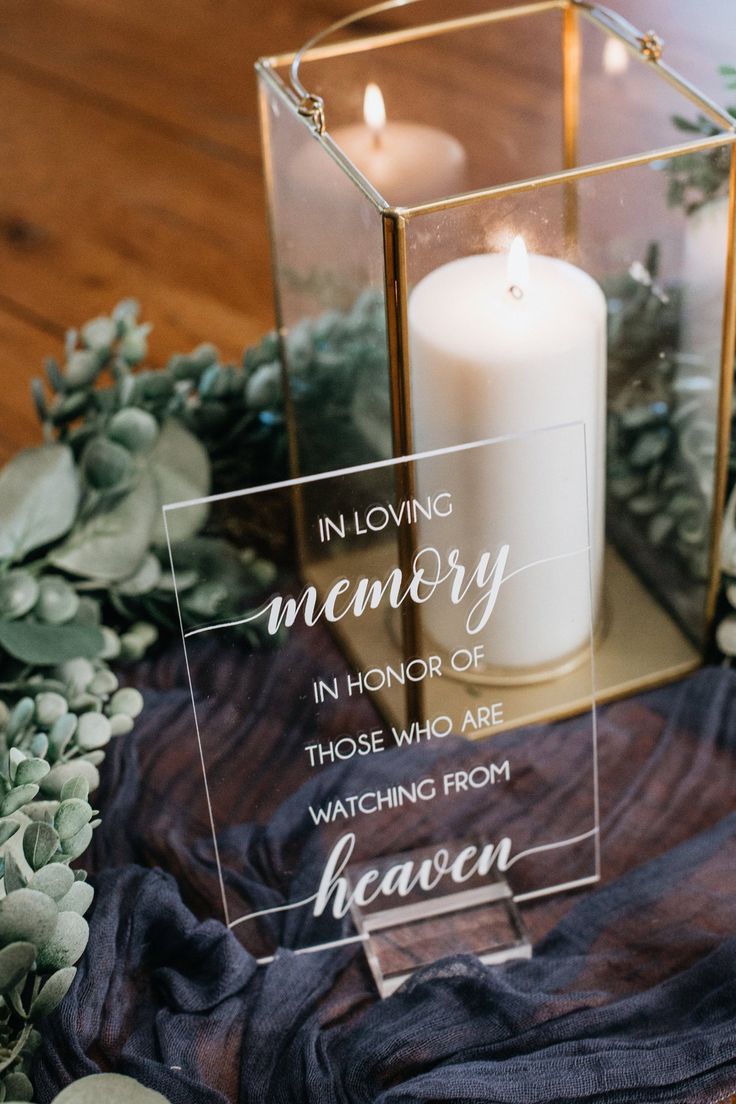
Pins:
x,y
210,811
357,468
594,715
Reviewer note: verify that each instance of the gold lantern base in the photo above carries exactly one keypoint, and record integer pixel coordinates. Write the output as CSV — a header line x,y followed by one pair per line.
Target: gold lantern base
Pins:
x,y
527,676
641,648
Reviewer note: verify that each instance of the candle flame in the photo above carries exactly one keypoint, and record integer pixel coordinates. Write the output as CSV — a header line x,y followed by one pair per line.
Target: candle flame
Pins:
x,y
615,57
374,109
517,268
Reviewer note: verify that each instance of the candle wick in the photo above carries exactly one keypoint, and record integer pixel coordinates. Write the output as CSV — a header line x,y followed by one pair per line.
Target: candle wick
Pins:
x,y
516,292
377,143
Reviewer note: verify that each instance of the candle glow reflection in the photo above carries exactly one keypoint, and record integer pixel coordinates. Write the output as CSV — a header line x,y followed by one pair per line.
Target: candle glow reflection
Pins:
x,y
374,111
615,58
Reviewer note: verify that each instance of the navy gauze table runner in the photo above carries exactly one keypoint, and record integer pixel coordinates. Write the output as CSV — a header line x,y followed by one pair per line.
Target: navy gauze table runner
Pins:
x,y
630,996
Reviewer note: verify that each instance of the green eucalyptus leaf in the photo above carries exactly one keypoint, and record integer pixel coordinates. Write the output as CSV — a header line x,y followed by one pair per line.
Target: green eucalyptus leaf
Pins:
x,y
76,674
132,647
49,707
181,470
134,428
71,817
78,899
112,643
134,344
121,724
18,1088
58,602
68,407
15,961
106,464
31,770
39,745
61,732
15,758
28,916
75,787
112,543
99,333
127,700
113,1088
125,314
8,828
49,644
93,731
67,943
17,798
39,844
13,877
39,497
18,594
61,773
76,845
103,683
55,880
264,388
81,368
53,992
20,716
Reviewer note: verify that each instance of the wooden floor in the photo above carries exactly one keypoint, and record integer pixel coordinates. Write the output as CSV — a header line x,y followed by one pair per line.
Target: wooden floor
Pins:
x,y
131,164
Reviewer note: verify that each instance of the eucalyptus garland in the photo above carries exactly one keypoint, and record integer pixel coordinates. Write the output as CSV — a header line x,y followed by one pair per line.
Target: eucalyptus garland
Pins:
x,y
660,443
85,582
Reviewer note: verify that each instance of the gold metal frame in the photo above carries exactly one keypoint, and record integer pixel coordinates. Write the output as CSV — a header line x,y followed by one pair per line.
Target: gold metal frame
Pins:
x,y
648,49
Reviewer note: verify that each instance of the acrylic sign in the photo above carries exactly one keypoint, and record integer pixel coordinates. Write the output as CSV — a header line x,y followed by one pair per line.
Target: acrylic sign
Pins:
x,y
385,754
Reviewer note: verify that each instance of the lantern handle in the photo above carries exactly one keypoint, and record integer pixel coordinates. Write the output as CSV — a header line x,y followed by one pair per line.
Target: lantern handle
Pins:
x,y
311,105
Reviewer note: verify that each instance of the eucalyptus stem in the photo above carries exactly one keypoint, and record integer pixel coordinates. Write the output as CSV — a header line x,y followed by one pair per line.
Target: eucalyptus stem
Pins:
x,y
17,1050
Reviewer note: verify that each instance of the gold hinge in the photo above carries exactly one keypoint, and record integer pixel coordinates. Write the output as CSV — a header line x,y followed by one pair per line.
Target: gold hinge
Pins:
x,y
647,43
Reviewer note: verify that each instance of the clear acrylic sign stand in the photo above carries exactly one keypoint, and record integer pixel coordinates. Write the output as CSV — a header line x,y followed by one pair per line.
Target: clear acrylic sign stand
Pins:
x,y
389,766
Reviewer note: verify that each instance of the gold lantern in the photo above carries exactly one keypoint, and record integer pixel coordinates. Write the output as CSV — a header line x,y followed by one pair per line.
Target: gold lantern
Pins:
x,y
560,123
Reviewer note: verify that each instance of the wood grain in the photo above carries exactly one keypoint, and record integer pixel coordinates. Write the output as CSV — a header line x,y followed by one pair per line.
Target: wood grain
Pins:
x,y
132,164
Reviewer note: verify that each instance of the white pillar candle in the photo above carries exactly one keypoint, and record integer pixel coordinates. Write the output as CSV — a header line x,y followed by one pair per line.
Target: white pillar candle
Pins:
x,y
497,352
406,162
